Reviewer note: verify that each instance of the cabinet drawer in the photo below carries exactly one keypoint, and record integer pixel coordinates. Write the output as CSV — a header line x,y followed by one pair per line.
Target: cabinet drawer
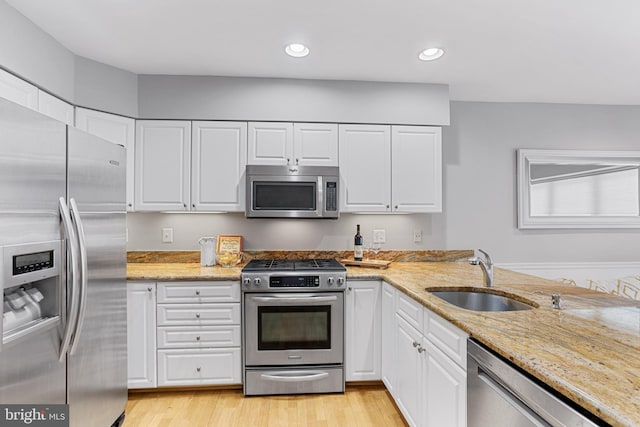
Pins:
x,y
198,314
186,292
198,367
198,336
448,338
410,310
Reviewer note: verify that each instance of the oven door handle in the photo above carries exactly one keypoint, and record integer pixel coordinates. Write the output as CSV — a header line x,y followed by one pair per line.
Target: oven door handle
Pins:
x,y
294,376
295,300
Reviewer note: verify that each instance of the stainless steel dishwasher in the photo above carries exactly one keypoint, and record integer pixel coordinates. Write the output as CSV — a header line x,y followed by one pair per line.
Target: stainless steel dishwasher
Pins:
x,y
499,395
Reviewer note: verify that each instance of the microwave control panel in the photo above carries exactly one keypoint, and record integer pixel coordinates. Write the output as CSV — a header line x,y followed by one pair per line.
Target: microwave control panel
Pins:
x,y
332,196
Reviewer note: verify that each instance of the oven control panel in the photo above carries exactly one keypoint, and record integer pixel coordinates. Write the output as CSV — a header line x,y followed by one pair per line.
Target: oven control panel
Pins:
x,y
289,282
294,281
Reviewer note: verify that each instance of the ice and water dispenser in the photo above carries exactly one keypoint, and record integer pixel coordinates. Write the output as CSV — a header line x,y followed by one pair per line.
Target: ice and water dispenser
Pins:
x,y
32,293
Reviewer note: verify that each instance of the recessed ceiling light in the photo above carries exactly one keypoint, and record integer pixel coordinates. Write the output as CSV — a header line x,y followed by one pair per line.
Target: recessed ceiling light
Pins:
x,y
431,54
297,50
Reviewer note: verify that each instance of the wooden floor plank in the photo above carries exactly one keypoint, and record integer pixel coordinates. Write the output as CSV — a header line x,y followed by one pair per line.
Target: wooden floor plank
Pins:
x,y
357,407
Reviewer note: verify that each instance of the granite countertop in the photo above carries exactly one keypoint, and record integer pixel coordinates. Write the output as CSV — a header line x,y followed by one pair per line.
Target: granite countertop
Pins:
x,y
589,351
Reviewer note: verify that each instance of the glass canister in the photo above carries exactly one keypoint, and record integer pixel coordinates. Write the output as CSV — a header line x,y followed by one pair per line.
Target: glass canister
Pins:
x,y
207,251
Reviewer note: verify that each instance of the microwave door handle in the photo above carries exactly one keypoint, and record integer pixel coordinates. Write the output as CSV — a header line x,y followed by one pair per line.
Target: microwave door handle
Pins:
x,y
72,309
295,300
320,207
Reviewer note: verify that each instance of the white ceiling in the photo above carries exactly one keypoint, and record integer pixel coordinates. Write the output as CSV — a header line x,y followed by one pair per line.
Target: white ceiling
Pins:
x,y
574,51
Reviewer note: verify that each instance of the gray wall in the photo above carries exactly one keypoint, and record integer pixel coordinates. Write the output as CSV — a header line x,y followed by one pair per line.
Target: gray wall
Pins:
x,y
144,231
479,156
105,88
33,55
246,98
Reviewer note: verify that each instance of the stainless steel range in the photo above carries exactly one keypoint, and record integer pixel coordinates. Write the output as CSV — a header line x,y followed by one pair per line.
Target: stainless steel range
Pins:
x,y
293,326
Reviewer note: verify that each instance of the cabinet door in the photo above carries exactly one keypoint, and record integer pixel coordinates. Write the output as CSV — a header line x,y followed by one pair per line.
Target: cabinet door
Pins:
x,y
141,334
362,329
117,129
315,144
17,90
444,391
365,168
218,160
409,374
270,143
163,165
388,320
55,108
416,169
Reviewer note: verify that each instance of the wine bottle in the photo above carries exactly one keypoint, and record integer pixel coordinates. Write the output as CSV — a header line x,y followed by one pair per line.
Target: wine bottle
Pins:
x,y
357,244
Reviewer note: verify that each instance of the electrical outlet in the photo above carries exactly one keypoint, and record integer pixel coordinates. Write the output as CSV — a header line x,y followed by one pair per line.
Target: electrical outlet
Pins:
x,y
379,236
417,236
167,235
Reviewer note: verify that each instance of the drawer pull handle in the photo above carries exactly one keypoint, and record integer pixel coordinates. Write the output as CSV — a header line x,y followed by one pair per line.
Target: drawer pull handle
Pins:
x,y
198,292
198,369
198,315
198,338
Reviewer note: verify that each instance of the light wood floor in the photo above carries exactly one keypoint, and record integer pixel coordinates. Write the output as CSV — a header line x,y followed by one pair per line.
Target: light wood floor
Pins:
x,y
358,406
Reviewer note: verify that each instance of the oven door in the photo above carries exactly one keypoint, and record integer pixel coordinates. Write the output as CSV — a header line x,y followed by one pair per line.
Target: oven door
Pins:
x,y
284,196
293,328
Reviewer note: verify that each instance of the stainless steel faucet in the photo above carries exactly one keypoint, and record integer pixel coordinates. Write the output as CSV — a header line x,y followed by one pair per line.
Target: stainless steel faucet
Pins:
x,y
486,265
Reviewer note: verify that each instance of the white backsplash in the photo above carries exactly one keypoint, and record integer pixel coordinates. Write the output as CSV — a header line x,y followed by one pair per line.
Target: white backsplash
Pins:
x,y
145,231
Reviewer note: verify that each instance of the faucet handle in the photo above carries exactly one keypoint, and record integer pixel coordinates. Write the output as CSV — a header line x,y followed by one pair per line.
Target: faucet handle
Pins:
x,y
487,256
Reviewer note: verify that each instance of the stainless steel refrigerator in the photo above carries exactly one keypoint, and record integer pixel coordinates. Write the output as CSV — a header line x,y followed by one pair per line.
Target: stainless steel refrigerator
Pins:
x,y
63,268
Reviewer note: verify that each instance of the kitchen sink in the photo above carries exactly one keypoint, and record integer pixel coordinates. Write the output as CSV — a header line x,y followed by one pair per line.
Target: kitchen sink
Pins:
x,y
479,301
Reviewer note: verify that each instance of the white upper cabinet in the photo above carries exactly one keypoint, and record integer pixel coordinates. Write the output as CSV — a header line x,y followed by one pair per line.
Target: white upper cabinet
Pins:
x,y
55,108
163,165
17,90
315,144
416,169
365,168
218,160
304,144
117,129
391,168
270,143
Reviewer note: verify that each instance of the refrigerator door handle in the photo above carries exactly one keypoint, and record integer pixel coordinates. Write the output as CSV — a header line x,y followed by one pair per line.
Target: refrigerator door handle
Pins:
x,y
72,311
75,215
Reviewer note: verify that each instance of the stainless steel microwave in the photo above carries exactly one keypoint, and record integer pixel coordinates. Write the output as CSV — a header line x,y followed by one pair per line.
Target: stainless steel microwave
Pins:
x,y
292,191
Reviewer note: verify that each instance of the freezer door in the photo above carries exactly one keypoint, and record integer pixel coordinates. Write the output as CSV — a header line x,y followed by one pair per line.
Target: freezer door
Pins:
x,y
97,360
32,177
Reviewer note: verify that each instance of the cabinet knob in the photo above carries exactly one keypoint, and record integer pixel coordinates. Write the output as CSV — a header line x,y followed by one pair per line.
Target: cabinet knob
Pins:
x,y
288,160
198,315
198,338
421,349
387,206
396,207
184,204
415,344
198,369
197,291
149,289
129,204
193,205
296,162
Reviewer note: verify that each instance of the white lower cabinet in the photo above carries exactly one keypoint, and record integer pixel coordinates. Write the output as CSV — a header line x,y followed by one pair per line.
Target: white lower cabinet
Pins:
x,y
444,391
409,372
141,334
423,363
181,367
198,333
388,330
362,330
186,333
